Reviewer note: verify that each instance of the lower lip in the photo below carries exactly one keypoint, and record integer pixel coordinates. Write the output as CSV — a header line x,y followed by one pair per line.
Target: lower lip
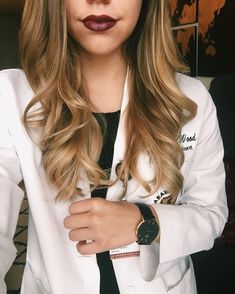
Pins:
x,y
96,26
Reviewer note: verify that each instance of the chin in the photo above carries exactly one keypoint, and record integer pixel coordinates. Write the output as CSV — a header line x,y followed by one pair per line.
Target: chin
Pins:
x,y
101,48
101,53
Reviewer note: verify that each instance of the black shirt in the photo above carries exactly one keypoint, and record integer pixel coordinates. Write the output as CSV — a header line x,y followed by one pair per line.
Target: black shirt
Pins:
x,y
108,282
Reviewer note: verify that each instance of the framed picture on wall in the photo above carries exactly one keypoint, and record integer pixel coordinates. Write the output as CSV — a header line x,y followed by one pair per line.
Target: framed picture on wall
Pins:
x,y
209,47
185,27
186,39
216,42
183,11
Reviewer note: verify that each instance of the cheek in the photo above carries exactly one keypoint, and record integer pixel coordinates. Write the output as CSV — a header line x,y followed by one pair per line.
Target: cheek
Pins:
x,y
75,27
72,10
132,18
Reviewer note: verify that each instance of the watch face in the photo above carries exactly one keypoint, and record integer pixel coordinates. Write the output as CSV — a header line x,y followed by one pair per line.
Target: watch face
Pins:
x,y
147,232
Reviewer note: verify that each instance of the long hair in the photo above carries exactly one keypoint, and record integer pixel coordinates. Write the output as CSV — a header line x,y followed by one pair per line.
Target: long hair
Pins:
x,y
61,107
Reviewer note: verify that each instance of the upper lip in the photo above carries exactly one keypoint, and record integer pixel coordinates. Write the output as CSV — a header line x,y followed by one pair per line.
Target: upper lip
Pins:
x,y
98,18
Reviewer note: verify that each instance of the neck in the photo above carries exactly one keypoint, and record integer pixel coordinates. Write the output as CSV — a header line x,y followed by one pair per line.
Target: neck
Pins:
x,y
104,77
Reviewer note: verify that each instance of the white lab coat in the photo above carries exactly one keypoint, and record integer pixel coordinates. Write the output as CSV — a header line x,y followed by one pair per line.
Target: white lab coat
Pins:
x,y
53,265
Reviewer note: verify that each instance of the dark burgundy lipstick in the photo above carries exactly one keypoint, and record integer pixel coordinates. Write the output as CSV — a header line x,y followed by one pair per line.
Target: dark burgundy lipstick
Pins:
x,y
99,23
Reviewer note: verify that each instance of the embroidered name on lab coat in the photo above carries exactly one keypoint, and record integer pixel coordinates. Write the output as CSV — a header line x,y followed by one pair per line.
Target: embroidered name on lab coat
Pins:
x,y
188,141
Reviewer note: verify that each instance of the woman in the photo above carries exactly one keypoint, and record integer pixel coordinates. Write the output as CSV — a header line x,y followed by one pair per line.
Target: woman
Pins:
x,y
121,157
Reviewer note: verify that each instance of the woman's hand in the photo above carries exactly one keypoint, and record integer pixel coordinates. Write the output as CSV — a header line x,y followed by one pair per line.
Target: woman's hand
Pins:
x,y
104,224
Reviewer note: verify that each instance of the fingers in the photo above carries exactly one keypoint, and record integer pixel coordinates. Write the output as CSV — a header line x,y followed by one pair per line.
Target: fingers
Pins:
x,y
86,205
84,221
81,234
77,221
88,248
108,224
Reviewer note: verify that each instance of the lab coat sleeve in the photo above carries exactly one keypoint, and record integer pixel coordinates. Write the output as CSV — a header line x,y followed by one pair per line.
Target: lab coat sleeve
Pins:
x,y
10,199
193,224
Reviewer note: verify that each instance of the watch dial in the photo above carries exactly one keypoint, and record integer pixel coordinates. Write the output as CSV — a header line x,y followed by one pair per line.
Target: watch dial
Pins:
x,y
147,232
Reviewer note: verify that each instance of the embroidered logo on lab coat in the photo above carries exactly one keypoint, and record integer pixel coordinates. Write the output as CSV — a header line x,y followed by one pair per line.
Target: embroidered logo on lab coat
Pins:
x,y
164,197
161,195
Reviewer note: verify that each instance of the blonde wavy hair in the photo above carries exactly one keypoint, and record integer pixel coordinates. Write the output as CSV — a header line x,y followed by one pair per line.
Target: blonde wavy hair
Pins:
x,y
61,108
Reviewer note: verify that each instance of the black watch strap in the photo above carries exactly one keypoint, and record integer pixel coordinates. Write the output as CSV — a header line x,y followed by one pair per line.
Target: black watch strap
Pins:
x,y
145,211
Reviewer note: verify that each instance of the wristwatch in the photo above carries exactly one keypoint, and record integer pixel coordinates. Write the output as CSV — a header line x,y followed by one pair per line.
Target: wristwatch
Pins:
x,y
148,229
